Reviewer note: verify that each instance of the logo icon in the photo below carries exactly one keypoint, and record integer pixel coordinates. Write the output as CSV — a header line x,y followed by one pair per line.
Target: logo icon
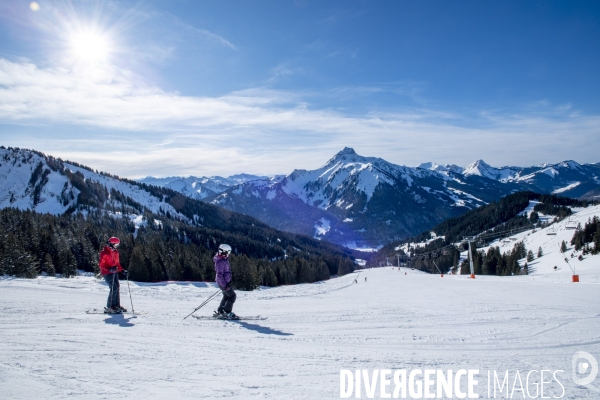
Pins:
x,y
584,369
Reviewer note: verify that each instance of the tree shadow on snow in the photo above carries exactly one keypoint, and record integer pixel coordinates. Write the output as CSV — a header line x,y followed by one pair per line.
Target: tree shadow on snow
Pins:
x,y
119,319
261,329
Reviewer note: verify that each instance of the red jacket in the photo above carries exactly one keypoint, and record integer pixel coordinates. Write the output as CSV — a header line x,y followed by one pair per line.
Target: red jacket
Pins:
x,y
109,258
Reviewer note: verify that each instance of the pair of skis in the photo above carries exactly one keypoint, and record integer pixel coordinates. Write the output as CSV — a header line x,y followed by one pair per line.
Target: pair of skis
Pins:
x,y
99,311
248,318
200,317
251,318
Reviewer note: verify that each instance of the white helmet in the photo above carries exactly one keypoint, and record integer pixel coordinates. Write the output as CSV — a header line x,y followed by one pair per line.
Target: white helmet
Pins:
x,y
224,250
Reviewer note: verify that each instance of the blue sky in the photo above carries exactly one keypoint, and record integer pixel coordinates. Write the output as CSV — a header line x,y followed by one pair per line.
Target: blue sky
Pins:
x,y
179,87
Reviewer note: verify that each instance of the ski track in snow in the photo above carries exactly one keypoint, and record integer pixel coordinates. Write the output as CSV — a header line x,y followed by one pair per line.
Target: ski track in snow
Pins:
x,y
51,349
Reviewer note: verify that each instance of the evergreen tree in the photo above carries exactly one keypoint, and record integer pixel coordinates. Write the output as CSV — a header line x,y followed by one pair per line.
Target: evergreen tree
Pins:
x,y
540,252
48,265
137,268
534,217
597,241
322,271
492,261
519,250
465,267
16,261
455,260
345,266
244,273
267,275
563,247
530,256
477,261
68,263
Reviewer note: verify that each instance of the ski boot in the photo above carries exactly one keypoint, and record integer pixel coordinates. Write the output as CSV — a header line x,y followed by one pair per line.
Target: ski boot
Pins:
x,y
231,315
112,310
121,308
219,314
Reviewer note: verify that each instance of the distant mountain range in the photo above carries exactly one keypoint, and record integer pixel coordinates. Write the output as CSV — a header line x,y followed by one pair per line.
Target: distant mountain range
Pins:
x,y
355,201
200,188
361,201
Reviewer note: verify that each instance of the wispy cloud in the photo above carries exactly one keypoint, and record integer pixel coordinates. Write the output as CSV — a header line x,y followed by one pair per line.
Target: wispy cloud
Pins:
x,y
201,32
263,130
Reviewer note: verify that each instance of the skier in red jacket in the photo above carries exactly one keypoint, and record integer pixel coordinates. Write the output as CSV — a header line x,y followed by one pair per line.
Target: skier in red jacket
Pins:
x,y
110,267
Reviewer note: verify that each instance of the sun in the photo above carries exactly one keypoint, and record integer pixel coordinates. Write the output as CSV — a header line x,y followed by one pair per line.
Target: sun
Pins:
x,y
90,46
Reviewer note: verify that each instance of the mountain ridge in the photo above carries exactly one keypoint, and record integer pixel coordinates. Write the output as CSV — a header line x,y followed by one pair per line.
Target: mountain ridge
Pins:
x,y
352,200
361,199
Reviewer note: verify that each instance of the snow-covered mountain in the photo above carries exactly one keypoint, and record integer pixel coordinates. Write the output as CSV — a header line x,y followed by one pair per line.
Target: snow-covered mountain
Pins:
x,y
481,168
567,178
30,180
352,200
200,188
366,201
444,169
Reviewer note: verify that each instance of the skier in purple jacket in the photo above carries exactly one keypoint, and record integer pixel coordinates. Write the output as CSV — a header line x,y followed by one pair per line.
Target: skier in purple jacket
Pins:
x,y
223,279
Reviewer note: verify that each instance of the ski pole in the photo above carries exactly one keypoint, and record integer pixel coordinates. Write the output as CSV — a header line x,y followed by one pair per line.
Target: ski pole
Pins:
x,y
130,299
205,302
112,292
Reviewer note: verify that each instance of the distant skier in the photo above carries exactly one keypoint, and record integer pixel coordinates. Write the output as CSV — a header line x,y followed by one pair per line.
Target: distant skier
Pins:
x,y
110,266
365,278
223,279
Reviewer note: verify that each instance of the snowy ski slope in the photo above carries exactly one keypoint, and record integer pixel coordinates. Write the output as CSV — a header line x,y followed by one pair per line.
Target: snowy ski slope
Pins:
x,y
549,240
51,349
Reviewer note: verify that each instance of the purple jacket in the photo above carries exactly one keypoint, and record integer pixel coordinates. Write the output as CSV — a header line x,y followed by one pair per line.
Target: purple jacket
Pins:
x,y
223,270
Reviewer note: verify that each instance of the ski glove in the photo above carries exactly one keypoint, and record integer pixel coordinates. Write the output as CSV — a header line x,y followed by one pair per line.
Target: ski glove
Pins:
x,y
124,272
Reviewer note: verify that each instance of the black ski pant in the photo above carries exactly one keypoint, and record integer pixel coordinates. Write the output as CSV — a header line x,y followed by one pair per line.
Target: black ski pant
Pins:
x,y
227,300
114,298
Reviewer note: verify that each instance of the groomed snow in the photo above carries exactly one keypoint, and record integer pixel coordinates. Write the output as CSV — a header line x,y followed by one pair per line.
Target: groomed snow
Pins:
x,y
550,245
566,188
51,349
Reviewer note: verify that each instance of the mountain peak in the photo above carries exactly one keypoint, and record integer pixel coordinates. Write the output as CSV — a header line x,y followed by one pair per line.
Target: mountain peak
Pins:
x,y
346,151
345,155
480,163
480,168
569,164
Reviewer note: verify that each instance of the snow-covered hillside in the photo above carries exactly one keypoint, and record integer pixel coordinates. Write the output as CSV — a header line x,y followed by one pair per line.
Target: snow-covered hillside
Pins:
x,y
549,240
391,319
52,191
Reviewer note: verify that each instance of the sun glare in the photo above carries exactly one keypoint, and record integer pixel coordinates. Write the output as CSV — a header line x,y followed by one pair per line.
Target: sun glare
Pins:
x,y
90,46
